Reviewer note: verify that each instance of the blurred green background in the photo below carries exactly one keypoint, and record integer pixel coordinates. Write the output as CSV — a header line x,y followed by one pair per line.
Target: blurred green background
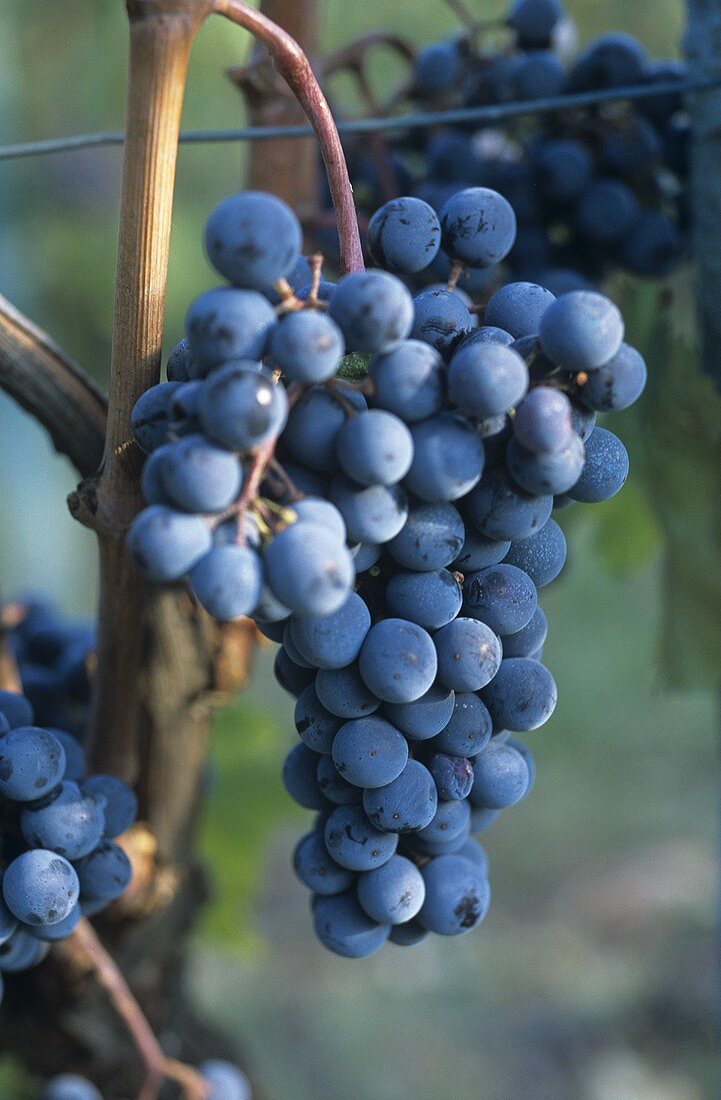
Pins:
x,y
593,976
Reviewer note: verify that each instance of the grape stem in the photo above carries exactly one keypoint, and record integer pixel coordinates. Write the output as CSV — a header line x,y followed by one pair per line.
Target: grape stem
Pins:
x,y
85,946
294,67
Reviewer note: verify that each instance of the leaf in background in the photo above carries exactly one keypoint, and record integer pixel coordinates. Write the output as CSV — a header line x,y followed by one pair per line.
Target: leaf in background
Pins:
x,y
245,805
679,459
625,531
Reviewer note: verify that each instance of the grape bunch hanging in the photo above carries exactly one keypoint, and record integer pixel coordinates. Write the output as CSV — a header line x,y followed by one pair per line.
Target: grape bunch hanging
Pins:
x,y
596,188
389,532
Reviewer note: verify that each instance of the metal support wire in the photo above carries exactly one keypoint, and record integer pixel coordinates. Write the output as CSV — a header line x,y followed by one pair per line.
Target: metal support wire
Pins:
x,y
456,116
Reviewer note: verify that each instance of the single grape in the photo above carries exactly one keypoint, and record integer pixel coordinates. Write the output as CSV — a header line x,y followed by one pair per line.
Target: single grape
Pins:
x,y
457,895
429,599
228,582
16,708
538,74
617,384
225,324
307,346
468,729
522,695
437,67
68,1086
121,802
499,510
317,510
200,477
369,752
32,762
564,170
607,212
373,310
343,927
226,1081
408,934
151,415
75,761
408,381
534,21
479,552
315,868
502,596
542,557
165,545
405,805
581,331
241,408
450,823
404,235
291,677
333,786
316,726
605,469
68,821
105,873
517,308
398,661
308,570
543,422
393,893
469,654
40,887
424,717
151,477
300,777
375,448
181,365
553,472
431,537
486,379
354,842
253,239
528,641
448,458
440,319
333,641
500,777
344,693
374,513
453,776
479,227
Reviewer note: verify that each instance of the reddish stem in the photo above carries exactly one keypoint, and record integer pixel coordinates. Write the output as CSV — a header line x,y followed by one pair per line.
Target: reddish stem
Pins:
x,y
86,944
295,69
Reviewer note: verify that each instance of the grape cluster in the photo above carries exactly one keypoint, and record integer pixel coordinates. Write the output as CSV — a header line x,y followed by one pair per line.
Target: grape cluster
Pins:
x,y
57,833
224,1081
389,533
595,189
54,657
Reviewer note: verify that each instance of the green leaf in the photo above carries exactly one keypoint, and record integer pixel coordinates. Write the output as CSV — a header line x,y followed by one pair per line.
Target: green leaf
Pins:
x,y
354,366
625,531
246,804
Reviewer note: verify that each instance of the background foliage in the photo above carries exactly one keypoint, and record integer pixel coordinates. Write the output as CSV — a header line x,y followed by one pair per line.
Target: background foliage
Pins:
x,y
592,976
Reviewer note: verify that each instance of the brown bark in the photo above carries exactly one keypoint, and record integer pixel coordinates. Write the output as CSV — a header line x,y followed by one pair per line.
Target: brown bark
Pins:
x,y
51,387
289,171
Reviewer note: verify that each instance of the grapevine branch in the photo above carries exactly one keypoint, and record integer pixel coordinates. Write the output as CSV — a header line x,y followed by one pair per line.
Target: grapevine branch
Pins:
x,y
85,946
52,388
295,68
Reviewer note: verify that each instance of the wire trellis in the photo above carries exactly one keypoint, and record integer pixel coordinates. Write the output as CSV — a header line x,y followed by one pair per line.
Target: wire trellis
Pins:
x,y
455,116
